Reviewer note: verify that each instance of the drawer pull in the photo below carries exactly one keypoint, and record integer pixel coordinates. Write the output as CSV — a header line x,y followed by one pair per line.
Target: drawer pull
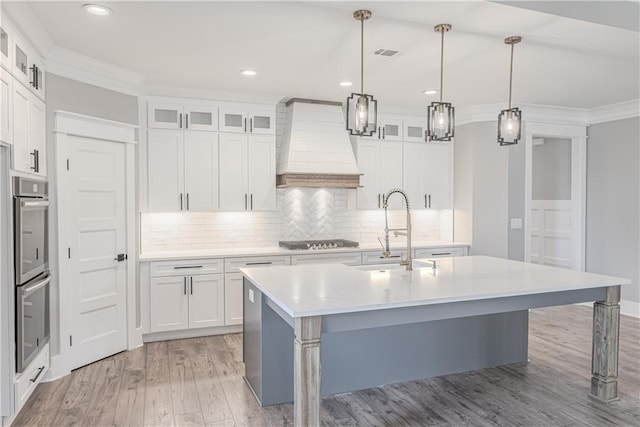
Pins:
x,y
40,370
440,253
182,267
260,263
390,256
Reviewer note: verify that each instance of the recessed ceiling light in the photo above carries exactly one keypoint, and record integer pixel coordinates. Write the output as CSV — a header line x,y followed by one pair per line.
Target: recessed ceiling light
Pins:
x,y
345,84
430,92
249,72
97,9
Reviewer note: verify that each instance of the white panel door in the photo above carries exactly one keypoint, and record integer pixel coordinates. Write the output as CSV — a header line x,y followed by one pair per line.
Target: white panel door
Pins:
x,y
206,300
201,171
261,166
22,160
368,195
437,175
168,303
233,172
37,135
390,171
233,304
165,170
97,232
551,232
6,107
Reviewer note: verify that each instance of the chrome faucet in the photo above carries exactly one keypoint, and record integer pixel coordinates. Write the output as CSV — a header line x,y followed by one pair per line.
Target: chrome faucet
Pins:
x,y
408,261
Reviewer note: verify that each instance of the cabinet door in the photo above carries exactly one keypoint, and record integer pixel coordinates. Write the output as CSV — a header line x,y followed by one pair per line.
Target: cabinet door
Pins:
x,y
368,195
233,309
201,117
165,170
390,171
168,303
36,73
437,175
6,51
164,115
233,120
206,300
37,135
414,130
262,121
413,169
261,166
6,107
391,130
201,171
233,172
22,160
21,60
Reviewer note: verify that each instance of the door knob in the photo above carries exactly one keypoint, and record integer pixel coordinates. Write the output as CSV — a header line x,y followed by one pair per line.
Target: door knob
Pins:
x,y
121,257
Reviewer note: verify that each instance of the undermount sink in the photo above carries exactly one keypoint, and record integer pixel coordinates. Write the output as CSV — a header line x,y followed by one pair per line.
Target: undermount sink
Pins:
x,y
387,267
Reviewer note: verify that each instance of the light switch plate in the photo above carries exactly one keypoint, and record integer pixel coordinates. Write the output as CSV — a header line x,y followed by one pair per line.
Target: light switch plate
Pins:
x,y
516,223
250,295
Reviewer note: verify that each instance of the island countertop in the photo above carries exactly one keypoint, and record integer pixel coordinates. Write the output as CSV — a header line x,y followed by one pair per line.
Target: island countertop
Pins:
x,y
312,290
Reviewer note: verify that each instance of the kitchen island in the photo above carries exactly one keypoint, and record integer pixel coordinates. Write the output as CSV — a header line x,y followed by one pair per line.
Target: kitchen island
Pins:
x,y
379,326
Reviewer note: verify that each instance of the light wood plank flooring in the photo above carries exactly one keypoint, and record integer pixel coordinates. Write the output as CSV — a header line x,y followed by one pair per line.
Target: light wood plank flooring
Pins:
x,y
199,382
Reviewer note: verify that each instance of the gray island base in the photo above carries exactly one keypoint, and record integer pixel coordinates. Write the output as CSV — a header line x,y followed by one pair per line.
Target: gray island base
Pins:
x,y
301,343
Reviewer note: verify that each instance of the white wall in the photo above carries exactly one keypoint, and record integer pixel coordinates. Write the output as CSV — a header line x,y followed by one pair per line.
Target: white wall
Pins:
x,y
613,207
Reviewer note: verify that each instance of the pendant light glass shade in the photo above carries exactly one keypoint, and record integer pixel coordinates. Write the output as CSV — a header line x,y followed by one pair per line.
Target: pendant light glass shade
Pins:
x,y
440,115
510,120
362,109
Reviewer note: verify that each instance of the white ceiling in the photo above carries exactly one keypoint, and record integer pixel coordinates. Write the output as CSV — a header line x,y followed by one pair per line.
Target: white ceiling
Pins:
x,y
304,49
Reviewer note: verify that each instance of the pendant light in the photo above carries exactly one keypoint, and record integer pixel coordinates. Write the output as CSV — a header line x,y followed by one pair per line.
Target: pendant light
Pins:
x,y
362,109
510,120
440,115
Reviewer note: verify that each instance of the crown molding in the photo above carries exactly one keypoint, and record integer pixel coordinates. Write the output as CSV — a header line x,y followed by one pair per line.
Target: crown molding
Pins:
x,y
73,65
530,112
619,111
30,26
204,94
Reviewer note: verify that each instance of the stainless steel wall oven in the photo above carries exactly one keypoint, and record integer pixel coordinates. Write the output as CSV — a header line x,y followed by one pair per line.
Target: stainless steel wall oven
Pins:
x,y
31,255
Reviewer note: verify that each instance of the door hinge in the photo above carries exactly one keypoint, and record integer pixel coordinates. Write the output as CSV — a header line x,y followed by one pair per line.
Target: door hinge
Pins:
x,y
67,164
70,341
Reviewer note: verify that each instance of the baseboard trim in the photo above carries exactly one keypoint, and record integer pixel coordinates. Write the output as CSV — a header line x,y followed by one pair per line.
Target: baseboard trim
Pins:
x,y
191,333
57,369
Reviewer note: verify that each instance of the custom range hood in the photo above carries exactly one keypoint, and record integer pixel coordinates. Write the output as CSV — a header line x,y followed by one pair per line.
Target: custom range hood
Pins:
x,y
316,150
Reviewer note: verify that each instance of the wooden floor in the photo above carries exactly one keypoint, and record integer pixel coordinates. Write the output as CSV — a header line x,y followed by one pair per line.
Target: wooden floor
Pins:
x,y
199,382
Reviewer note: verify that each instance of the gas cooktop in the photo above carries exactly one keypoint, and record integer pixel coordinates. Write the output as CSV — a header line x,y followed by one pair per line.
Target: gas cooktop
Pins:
x,y
318,244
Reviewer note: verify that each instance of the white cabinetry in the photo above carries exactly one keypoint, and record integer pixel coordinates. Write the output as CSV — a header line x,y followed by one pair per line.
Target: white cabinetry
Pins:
x,y
182,170
6,107
414,129
6,47
380,164
29,379
247,172
440,252
185,298
29,150
427,174
347,258
389,129
167,114
258,120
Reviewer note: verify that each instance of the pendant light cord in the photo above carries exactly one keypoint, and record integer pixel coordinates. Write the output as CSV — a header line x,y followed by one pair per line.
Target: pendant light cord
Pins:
x,y
441,63
362,55
511,75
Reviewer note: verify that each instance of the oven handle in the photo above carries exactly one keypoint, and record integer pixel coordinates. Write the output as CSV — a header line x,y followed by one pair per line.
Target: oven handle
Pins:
x,y
35,204
32,288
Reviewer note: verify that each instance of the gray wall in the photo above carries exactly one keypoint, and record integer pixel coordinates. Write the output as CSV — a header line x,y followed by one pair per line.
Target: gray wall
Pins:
x,y
517,161
551,170
70,95
613,193
481,165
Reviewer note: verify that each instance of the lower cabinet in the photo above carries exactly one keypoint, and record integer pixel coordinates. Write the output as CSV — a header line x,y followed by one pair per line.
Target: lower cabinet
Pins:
x,y
439,252
183,302
28,380
233,314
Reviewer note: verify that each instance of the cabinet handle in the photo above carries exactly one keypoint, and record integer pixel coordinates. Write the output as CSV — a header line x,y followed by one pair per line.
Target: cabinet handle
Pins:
x,y
245,124
182,267
251,199
378,199
383,132
181,208
191,285
36,253
251,125
187,201
40,370
425,200
245,201
429,200
33,153
37,160
259,263
186,121
34,76
180,121
440,253
184,285
390,256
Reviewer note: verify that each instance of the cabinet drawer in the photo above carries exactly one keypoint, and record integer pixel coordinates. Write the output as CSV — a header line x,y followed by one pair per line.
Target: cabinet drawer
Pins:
x,y
231,265
376,257
437,252
187,267
27,381
342,258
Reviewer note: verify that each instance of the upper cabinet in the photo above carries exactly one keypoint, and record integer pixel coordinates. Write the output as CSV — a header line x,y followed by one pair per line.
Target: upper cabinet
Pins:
x,y
29,149
414,130
6,107
389,129
427,174
380,164
255,120
178,115
21,59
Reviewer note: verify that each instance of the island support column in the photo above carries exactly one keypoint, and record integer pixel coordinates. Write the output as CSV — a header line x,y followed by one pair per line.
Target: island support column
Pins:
x,y
604,356
306,371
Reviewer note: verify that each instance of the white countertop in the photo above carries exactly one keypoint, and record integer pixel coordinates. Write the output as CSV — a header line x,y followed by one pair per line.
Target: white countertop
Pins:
x,y
276,250
310,290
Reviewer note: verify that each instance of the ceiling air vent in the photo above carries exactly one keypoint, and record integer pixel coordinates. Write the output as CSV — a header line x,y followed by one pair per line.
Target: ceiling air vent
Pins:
x,y
386,52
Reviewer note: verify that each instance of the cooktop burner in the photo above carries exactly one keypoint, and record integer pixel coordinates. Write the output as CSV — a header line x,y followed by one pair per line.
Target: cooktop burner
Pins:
x,y
318,244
